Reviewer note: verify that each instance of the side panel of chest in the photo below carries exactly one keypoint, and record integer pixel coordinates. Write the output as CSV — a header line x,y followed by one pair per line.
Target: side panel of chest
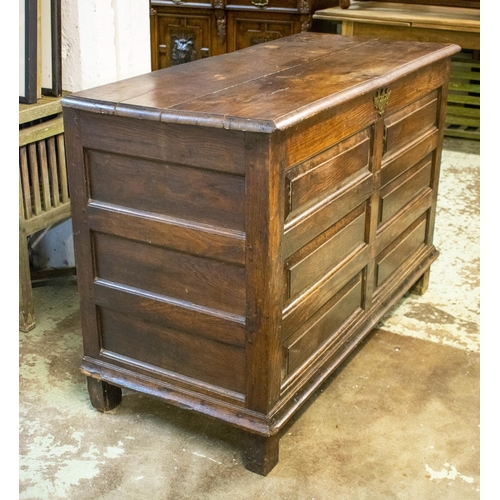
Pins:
x,y
164,218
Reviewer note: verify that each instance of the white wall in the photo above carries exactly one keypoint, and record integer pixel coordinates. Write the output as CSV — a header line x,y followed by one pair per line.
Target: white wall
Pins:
x,y
102,41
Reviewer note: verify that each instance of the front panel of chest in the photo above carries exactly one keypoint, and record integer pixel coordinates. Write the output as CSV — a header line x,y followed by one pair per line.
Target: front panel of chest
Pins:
x,y
360,192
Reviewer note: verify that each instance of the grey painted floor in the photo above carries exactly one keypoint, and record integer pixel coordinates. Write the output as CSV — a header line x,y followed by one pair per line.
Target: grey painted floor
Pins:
x,y
399,420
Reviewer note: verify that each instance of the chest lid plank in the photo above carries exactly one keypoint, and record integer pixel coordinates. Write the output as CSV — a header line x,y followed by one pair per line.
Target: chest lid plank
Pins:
x,y
265,87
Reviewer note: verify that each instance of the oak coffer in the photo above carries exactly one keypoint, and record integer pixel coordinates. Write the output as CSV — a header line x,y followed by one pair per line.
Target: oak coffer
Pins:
x,y
243,221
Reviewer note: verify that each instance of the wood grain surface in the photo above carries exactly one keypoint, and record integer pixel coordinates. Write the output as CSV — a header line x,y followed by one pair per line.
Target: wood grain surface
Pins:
x,y
242,222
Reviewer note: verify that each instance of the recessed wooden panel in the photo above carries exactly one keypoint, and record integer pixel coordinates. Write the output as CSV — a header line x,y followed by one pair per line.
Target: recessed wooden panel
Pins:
x,y
308,225
205,282
320,176
318,258
176,234
171,313
388,232
397,194
194,194
324,325
214,149
252,28
395,165
391,259
190,355
300,310
410,122
184,36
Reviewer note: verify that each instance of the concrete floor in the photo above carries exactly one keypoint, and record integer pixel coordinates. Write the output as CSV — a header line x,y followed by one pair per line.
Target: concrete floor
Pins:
x,y
400,419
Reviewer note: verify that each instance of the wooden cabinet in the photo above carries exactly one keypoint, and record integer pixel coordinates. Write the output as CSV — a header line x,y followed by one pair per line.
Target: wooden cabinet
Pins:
x,y
183,31
242,222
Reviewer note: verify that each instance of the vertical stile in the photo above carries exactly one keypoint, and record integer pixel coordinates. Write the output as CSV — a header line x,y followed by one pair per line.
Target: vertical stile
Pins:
x,y
378,145
25,182
35,180
53,171
42,150
63,178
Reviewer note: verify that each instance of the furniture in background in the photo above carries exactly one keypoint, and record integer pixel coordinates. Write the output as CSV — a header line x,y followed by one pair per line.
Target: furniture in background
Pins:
x,y
43,186
184,31
468,4
240,225
431,23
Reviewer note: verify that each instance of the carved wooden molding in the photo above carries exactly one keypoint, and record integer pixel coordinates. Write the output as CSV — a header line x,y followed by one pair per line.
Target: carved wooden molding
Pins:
x,y
305,22
303,6
221,24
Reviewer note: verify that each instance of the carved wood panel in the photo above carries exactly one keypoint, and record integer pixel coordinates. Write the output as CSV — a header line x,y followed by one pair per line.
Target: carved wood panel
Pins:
x,y
185,36
250,28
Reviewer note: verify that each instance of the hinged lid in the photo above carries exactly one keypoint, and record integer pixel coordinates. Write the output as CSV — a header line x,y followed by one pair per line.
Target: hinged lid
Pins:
x,y
265,87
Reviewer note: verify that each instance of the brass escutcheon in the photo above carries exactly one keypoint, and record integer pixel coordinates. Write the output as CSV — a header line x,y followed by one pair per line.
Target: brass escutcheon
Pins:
x,y
381,99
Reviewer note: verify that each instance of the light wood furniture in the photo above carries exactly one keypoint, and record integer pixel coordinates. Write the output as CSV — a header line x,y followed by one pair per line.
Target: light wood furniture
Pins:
x,y
43,187
468,4
184,31
443,24
240,227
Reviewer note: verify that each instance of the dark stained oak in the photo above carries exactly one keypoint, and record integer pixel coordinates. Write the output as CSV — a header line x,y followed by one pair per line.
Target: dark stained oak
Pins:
x,y
422,284
261,453
398,193
242,222
103,396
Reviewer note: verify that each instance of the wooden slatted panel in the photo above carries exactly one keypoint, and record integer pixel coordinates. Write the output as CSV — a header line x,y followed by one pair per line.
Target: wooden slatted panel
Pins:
x,y
43,177
63,177
42,165
463,110
54,178
35,180
25,182
44,172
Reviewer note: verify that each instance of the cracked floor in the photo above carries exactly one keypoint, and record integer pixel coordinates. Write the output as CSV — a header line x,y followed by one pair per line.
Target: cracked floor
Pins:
x,y
398,420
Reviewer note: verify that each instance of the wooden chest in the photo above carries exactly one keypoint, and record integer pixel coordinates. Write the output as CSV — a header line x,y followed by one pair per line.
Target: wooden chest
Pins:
x,y
242,222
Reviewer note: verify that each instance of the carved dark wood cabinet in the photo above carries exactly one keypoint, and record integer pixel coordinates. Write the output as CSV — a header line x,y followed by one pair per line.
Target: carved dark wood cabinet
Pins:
x,y
240,227
184,31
